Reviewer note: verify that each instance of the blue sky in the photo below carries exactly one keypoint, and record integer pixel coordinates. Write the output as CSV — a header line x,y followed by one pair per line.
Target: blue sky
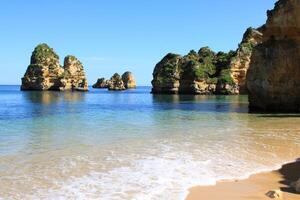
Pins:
x,y
111,36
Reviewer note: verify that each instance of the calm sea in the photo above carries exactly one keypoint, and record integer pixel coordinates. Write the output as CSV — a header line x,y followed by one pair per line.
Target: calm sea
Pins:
x,y
132,144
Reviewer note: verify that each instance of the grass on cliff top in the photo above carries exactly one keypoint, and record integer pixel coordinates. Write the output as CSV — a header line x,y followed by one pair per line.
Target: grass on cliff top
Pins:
x,y
41,53
205,65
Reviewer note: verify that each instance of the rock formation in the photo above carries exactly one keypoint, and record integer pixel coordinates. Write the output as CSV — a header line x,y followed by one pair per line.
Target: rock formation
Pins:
x,y
166,75
273,79
205,72
240,63
45,72
74,76
274,194
296,186
116,83
129,81
101,83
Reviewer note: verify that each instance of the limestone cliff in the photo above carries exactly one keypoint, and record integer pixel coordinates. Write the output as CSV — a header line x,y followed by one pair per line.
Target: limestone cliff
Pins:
x,y
166,75
128,80
45,72
74,76
205,72
273,79
240,63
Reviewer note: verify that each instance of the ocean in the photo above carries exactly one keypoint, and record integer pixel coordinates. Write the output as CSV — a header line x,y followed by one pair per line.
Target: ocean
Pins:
x,y
132,144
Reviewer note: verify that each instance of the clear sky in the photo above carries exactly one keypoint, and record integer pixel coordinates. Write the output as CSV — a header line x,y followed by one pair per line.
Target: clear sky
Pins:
x,y
111,36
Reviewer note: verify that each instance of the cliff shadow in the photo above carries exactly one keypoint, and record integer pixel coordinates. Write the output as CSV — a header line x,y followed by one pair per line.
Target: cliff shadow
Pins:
x,y
202,103
278,115
290,173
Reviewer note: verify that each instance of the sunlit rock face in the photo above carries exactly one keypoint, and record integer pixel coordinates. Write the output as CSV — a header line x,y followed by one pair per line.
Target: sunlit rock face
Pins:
x,y
240,63
201,73
273,79
45,72
74,76
128,80
116,83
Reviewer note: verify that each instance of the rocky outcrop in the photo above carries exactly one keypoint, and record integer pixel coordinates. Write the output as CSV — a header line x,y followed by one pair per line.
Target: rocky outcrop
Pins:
x,y
240,63
74,76
274,194
273,79
166,75
101,83
116,83
128,80
205,72
296,186
45,72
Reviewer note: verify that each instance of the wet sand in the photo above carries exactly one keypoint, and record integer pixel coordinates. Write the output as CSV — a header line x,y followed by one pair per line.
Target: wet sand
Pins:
x,y
252,188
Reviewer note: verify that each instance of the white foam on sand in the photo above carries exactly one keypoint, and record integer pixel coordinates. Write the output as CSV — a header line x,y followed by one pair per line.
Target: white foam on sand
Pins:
x,y
166,176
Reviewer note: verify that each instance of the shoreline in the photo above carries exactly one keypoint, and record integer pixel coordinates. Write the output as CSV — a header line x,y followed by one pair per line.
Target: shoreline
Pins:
x,y
254,187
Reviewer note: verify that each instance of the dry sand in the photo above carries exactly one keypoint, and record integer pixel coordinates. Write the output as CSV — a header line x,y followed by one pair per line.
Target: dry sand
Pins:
x,y
252,188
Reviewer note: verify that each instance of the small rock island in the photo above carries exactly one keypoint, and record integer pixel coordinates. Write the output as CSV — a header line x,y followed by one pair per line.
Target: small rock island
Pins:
x,y
206,72
46,73
117,82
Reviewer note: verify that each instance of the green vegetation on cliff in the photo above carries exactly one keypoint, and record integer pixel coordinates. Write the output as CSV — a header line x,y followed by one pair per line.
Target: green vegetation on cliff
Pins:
x,y
198,73
43,54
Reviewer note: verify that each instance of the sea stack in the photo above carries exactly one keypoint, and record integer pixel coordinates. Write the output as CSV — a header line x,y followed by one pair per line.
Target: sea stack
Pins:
x,y
116,83
74,76
101,83
128,80
45,72
273,79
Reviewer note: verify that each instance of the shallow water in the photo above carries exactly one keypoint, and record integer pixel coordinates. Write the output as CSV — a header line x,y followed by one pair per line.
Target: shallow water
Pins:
x,y
133,145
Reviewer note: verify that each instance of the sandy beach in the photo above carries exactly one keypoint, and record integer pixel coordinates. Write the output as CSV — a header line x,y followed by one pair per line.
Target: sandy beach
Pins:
x,y
252,188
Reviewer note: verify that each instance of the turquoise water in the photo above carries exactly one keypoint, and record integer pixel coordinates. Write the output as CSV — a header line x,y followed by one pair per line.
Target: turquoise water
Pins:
x,y
132,144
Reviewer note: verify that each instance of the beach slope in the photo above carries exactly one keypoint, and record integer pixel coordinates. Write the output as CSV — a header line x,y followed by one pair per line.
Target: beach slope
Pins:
x,y
254,188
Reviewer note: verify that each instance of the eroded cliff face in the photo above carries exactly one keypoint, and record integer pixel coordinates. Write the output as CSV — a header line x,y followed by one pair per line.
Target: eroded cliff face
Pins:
x,y
45,72
273,79
167,75
240,63
74,76
116,83
205,72
128,80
